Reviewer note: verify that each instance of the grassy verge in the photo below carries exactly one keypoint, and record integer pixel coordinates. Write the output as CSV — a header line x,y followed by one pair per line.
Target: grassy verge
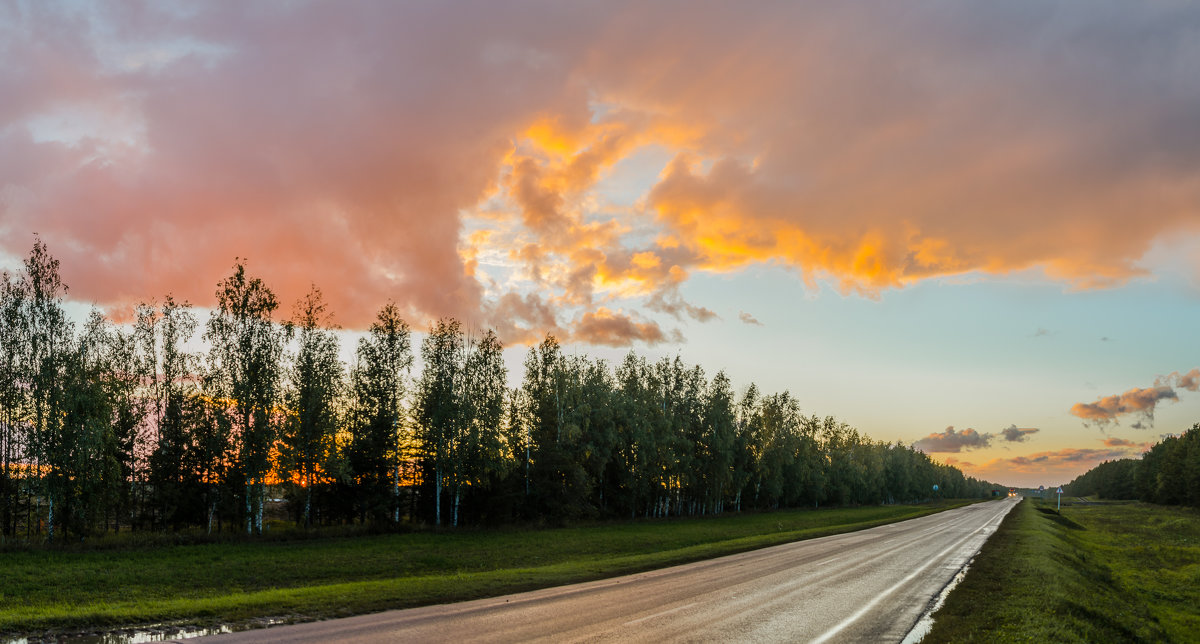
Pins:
x,y
52,590
1096,572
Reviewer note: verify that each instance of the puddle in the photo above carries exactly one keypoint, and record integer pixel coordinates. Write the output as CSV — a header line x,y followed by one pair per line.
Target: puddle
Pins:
x,y
925,624
155,633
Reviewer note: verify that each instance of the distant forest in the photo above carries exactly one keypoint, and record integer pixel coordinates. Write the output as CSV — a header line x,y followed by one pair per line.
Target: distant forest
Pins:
x,y
118,427
1168,474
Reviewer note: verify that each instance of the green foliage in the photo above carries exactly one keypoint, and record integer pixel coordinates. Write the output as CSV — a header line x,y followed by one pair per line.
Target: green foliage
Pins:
x,y
245,367
383,358
1169,474
1092,573
308,444
120,427
1108,480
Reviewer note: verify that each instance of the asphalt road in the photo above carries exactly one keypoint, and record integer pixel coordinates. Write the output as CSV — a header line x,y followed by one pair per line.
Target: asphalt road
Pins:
x,y
866,586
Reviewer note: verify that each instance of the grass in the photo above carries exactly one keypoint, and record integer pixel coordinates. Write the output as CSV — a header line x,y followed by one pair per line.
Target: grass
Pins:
x,y
61,590
1095,572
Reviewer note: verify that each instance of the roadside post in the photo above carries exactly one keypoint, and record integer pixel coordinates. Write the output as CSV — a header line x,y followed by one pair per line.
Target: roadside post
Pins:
x,y
1059,498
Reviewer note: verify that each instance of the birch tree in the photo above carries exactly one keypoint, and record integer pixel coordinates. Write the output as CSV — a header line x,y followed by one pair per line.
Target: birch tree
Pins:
x,y
315,385
245,355
383,358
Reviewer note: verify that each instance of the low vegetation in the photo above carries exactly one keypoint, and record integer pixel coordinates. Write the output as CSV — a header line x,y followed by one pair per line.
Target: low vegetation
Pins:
x,y
1091,572
98,584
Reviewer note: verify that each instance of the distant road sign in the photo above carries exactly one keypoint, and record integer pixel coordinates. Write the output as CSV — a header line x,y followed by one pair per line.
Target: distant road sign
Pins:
x,y
1060,490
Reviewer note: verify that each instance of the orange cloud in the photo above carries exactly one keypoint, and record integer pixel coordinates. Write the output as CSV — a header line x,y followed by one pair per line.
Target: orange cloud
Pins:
x,y
616,329
1137,400
936,142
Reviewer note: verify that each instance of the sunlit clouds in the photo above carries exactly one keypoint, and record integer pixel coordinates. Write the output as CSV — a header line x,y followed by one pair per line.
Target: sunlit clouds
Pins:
x,y
837,195
1137,402
869,146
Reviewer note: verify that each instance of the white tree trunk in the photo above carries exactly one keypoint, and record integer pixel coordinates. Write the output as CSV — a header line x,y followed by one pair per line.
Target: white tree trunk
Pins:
x,y
437,499
50,521
259,509
396,496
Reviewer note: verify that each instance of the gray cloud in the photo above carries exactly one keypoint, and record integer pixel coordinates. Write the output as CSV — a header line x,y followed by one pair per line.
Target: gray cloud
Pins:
x,y
952,441
1014,434
746,318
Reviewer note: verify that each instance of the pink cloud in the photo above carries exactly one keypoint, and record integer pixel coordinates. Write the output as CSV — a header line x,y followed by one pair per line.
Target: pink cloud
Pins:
x,y
342,144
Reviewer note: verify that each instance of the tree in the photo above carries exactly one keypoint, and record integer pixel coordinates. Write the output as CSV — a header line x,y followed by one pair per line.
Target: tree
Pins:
x,y
383,358
174,461
47,345
247,347
439,410
13,400
315,386
479,444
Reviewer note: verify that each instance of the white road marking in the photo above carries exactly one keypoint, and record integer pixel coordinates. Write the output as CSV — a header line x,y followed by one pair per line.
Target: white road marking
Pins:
x,y
831,633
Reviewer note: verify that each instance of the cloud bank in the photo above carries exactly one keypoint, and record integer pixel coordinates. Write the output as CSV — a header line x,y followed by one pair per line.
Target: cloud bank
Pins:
x,y
459,159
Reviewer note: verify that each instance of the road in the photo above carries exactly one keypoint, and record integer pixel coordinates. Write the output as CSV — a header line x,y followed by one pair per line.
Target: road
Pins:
x,y
870,585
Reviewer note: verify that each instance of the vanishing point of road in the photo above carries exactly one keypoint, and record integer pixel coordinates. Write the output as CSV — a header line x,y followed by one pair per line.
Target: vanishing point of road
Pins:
x,y
866,586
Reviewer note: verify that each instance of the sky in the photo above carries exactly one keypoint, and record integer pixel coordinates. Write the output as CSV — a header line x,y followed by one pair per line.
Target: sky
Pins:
x,y
970,226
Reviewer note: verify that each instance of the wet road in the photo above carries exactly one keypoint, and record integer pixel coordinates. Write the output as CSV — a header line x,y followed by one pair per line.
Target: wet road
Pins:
x,y
870,585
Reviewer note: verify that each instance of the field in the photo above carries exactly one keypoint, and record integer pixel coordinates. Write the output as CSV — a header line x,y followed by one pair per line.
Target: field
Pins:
x,y
106,586
1094,572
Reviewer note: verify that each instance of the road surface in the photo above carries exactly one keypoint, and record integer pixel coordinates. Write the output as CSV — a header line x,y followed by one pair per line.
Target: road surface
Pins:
x,y
866,586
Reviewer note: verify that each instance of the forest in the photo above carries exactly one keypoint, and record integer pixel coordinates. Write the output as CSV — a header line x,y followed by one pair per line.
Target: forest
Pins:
x,y
120,427
1167,474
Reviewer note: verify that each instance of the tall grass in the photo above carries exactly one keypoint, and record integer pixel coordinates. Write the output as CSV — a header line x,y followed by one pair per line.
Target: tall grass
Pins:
x,y
1094,572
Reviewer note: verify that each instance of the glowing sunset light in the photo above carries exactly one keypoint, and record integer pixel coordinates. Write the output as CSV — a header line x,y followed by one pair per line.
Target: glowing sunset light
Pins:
x,y
972,227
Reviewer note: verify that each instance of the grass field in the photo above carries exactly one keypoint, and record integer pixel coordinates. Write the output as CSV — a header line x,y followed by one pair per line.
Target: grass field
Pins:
x,y
46,590
1095,572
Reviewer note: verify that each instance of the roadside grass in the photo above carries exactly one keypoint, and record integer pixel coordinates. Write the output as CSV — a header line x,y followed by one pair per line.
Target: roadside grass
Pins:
x,y
1092,572
48,590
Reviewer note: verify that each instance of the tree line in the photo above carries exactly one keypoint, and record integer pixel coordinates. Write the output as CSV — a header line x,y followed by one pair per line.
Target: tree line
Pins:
x,y
123,427
1167,474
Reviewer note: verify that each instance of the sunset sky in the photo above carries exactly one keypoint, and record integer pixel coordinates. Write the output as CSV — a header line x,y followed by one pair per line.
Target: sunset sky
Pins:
x,y
972,225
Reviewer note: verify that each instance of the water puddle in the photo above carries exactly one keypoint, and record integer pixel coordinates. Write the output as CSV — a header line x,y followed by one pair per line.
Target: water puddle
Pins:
x,y
153,633
925,624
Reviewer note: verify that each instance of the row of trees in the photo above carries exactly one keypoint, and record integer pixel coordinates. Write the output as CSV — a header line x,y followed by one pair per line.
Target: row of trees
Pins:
x,y
123,427
1168,474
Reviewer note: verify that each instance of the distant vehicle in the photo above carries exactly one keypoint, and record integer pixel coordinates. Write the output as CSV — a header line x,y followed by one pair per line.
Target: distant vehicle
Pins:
x,y
1012,491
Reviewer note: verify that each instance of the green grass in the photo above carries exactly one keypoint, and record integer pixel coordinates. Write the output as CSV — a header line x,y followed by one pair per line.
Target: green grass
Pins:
x,y
1097,572
110,587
